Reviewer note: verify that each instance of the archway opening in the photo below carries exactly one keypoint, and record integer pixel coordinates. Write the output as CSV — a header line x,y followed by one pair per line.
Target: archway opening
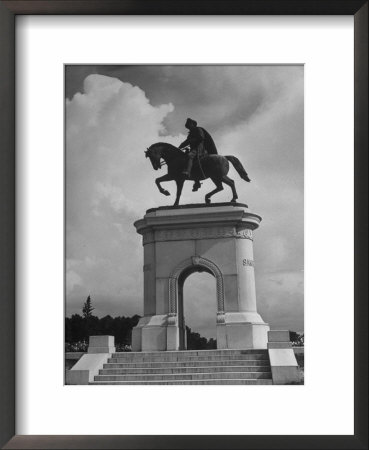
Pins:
x,y
198,308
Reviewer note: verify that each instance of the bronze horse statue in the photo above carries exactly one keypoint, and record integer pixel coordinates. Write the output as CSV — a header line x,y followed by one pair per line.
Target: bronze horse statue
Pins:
x,y
214,167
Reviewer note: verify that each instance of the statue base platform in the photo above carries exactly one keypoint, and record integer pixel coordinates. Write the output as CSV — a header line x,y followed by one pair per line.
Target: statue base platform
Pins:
x,y
178,241
242,331
233,332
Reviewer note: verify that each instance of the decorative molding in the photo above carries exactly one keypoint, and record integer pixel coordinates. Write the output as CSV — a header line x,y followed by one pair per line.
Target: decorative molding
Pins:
x,y
220,317
148,237
183,234
172,320
173,282
245,234
195,260
191,262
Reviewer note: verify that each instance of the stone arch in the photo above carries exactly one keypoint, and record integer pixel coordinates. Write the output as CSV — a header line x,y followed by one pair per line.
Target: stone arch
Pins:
x,y
193,262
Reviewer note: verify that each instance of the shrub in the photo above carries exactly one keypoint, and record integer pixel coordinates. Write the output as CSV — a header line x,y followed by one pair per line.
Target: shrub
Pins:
x,y
79,346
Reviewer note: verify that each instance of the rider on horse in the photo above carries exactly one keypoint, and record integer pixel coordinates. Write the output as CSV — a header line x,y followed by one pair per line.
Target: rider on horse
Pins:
x,y
200,143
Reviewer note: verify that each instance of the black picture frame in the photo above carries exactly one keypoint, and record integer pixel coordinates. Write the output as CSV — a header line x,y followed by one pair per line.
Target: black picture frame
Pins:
x,y
8,12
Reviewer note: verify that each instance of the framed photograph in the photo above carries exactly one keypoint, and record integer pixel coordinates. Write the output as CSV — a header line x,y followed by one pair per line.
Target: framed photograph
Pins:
x,y
143,311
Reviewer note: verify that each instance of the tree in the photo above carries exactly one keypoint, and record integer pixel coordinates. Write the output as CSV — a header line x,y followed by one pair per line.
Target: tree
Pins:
x,y
78,329
87,308
197,342
297,339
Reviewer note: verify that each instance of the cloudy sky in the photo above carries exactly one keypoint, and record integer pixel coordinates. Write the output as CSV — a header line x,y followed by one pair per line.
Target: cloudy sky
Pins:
x,y
113,113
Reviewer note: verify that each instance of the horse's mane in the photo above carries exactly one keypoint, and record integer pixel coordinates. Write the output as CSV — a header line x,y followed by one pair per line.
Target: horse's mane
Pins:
x,y
168,146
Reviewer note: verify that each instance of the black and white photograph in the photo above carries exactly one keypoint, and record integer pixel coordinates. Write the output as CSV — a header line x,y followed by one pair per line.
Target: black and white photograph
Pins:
x,y
184,197
184,224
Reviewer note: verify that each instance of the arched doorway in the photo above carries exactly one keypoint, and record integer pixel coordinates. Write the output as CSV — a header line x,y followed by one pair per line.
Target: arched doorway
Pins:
x,y
197,308
176,284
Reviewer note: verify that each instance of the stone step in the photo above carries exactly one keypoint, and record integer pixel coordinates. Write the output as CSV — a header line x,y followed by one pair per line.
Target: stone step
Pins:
x,y
265,381
185,376
187,367
184,357
198,369
193,363
222,352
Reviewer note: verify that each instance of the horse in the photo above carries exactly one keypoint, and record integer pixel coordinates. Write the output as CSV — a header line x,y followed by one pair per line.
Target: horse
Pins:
x,y
214,167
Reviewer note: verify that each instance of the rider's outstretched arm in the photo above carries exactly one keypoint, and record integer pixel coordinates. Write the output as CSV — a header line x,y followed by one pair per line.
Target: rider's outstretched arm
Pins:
x,y
185,143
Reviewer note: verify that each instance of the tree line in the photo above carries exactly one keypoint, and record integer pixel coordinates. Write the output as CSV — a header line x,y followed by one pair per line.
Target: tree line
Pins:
x,y
78,328
297,339
197,342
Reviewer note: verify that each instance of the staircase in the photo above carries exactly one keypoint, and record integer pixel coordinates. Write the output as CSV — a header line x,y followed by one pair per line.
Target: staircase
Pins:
x,y
187,367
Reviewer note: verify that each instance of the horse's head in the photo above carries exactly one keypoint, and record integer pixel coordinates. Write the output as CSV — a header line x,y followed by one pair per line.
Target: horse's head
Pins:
x,y
154,153
162,150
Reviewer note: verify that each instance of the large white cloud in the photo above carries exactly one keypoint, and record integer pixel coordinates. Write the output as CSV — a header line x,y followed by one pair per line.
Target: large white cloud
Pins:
x,y
109,185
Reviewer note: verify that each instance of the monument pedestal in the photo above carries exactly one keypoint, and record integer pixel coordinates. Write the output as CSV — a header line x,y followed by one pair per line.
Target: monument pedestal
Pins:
x,y
240,331
179,241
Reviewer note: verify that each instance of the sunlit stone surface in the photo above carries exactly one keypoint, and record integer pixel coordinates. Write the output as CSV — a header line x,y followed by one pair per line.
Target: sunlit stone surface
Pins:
x,y
178,241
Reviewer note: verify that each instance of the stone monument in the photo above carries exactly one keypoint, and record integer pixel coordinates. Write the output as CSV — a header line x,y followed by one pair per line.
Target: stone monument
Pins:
x,y
179,241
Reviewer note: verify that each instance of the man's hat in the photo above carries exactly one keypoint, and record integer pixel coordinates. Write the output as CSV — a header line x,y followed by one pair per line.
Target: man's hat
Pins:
x,y
190,122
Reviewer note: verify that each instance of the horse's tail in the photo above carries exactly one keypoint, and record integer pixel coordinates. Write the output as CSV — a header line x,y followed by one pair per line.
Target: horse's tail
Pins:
x,y
239,167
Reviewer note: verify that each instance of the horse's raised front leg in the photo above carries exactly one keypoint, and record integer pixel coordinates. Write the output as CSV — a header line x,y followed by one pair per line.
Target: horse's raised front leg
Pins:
x,y
159,180
179,191
230,183
219,187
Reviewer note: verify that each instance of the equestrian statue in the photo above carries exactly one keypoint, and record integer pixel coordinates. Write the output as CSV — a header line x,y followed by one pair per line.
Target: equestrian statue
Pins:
x,y
199,162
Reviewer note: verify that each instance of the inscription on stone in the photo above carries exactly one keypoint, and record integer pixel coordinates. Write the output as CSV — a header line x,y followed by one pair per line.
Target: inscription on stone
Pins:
x,y
248,262
197,233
